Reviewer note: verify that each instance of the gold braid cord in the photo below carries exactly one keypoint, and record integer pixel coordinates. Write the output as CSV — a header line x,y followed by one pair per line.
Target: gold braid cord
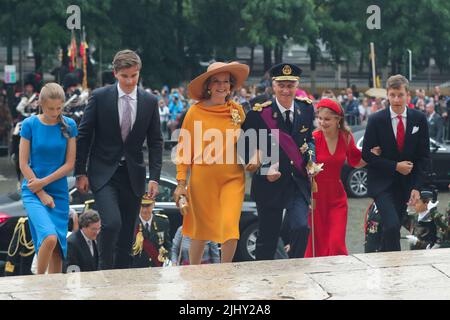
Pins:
x,y
21,235
139,243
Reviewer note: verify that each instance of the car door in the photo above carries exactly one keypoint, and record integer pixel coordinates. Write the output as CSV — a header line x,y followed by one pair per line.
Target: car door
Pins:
x,y
440,159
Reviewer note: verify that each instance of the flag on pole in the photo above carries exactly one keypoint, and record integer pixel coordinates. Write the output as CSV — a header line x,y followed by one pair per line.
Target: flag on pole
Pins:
x,y
83,53
72,53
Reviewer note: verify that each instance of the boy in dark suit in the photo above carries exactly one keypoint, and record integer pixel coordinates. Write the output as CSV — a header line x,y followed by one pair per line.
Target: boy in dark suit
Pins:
x,y
396,176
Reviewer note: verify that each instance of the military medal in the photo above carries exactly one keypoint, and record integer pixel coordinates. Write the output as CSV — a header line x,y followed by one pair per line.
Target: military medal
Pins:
x,y
304,147
161,237
275,115
303,129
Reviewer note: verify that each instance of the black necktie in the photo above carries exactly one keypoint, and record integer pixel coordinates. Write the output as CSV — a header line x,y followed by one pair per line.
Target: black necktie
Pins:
x,y
91,247
287,121
146,227
95,249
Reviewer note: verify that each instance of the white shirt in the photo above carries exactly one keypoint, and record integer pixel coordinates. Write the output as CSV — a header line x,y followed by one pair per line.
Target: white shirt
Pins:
x,y
89,243
283,110
121,103
144,222
422,215
164,113
395,121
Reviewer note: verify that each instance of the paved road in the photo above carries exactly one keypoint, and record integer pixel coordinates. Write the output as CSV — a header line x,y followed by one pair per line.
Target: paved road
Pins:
x,y
357,207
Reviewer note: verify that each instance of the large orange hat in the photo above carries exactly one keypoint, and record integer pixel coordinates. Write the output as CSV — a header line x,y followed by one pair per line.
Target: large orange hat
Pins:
x,y
238,70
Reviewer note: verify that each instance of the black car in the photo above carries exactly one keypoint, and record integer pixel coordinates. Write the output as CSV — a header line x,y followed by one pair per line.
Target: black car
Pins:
x,y
355,179
11,209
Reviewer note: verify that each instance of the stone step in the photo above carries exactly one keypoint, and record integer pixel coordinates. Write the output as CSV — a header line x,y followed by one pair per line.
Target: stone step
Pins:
x,y
394,275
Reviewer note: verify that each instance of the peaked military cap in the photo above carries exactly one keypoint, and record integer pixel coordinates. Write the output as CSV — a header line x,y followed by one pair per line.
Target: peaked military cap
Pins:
x,y
146,200
427,194
285,72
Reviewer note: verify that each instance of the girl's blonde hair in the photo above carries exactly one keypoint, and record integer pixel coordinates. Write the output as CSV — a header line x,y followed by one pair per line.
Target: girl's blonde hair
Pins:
x,y
53,91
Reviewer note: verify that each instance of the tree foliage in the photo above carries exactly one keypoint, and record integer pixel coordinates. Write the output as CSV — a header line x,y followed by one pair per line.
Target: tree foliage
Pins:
x,y
175,36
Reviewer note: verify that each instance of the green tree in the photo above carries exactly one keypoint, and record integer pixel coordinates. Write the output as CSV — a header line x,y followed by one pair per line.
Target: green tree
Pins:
x,y
271,23
339,30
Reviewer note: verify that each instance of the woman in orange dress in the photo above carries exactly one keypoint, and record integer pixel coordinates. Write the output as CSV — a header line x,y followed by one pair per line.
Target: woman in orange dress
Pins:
x,y
207,148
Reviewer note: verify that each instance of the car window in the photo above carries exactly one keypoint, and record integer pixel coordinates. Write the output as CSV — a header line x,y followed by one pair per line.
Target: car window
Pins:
x,y
433,146
77,198
165,192
15,196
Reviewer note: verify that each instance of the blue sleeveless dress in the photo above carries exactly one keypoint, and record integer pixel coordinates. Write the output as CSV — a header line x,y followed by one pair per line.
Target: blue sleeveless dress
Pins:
x,y
47,154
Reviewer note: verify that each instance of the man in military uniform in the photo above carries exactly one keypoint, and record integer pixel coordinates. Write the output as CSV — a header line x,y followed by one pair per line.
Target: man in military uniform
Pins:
x,y
278,160
429,228
76,97
27,105
27,101
152,244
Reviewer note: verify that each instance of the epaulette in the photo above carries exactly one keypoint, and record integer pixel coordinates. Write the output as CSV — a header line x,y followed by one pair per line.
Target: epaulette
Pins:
x,y
88,203
259,106
161,215
304,99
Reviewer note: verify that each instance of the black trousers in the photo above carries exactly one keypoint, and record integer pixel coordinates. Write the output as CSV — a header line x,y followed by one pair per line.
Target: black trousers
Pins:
x,y
118,207
391,205
270,220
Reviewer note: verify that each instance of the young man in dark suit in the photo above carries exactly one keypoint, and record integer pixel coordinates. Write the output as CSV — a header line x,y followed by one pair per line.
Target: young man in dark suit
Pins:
x,y
115,124
396,176
82,253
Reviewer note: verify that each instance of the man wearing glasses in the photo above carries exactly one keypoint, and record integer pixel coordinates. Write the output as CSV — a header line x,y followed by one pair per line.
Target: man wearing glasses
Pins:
x,y
82,253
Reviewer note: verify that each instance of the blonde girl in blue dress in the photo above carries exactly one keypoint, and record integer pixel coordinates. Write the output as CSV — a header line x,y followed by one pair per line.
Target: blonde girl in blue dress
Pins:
x,y
47,156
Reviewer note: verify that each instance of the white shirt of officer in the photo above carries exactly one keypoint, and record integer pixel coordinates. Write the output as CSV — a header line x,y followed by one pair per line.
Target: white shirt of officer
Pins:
x,y
283,110
144,222
89,243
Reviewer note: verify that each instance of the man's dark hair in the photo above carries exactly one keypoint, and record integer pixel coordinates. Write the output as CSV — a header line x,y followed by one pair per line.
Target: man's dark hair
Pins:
x,y
88,217
395,82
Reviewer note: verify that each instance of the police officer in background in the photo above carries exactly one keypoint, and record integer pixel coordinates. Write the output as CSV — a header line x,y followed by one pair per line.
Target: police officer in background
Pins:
x,y
152,242
282,183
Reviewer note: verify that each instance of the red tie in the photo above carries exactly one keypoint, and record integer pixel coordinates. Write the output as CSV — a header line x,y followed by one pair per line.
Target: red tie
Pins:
x,y
400,134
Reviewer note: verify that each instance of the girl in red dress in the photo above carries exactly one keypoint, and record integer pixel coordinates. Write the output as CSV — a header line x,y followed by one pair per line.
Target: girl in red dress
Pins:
x,y
334,145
